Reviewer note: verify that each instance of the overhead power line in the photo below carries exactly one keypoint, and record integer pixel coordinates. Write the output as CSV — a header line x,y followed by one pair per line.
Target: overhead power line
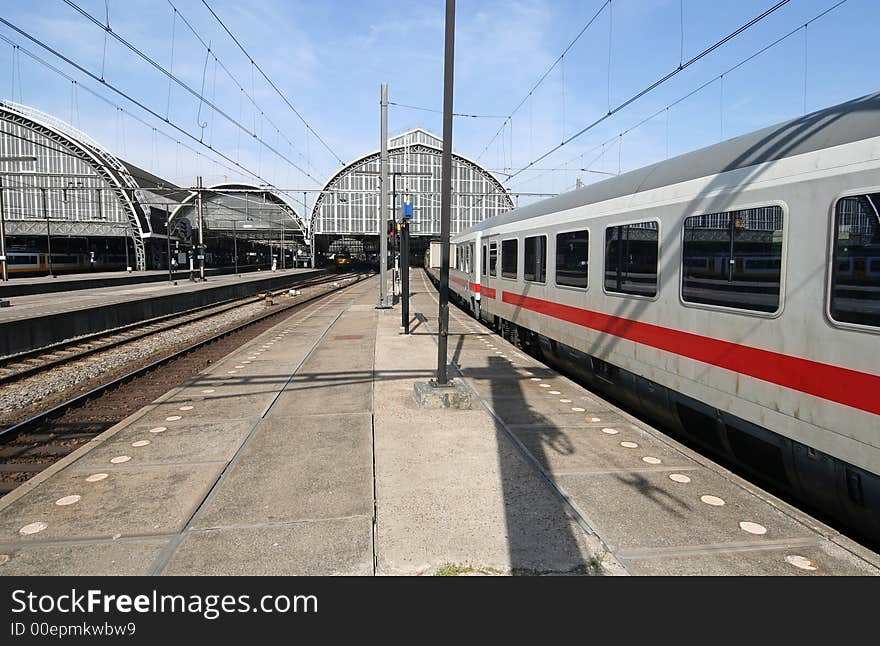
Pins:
x,y
454,114
655,84
131,99
274,87
686,96
544,76
185,86
235,81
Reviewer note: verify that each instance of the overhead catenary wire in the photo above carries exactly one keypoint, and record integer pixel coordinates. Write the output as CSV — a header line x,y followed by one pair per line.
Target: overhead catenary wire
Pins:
x,y
656,84
544,76
684,97
185,86
272,84
131,99
115,106
454,114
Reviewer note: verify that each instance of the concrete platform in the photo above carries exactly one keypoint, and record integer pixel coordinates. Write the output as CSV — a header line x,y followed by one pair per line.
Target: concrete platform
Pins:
x,y
38,320
227,475
18,286
305,453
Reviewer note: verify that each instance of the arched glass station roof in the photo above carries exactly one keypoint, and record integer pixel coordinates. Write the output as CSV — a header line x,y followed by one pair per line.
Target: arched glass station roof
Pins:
x,y
54,172
242,208
349,203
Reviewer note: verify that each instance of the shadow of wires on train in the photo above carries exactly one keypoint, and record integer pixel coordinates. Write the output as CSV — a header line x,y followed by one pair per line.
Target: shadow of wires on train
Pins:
x,y
776,144
543,535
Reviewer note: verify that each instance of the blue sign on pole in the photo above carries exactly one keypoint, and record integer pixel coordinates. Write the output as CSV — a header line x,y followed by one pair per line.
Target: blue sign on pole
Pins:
x,y
407,210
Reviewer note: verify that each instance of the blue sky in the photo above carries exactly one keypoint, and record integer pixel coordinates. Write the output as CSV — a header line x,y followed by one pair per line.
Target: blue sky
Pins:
x,y
330,57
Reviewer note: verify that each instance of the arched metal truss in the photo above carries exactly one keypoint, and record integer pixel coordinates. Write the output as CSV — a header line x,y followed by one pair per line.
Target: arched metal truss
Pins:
x,y
106,165
499,197
232,194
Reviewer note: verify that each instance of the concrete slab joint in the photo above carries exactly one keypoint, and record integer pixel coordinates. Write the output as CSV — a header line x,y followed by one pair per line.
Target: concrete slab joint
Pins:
x,y
431,395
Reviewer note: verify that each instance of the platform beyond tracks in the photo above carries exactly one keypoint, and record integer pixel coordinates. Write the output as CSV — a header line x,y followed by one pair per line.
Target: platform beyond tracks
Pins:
x,y
305,453
31,285
39,320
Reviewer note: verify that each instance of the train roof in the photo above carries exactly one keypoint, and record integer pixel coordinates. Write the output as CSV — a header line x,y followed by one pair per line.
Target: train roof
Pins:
x,y
841,124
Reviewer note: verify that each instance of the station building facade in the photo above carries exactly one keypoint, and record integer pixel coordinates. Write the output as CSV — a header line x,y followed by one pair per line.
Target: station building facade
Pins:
x,y
63,191
67,204
345,216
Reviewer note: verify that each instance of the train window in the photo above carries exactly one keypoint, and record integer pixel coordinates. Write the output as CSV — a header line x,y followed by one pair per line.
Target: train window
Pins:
x,y
509,258
631,252
535,265
855,283
572,256
483,263
15,259
64,260
733,259
493,259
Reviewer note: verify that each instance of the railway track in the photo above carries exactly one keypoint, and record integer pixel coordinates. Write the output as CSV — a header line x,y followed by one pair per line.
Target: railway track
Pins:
x,y
30,445
25,364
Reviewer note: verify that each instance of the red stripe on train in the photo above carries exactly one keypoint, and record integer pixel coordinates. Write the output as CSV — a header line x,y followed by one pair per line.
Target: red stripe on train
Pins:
x,y
849,387
474,287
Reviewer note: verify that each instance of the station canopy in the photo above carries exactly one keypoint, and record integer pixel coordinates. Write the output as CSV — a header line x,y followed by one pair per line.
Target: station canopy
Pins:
x,y
245,210
349,202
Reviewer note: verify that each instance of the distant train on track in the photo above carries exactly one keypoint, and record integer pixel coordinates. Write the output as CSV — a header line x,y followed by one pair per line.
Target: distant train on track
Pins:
x,y
342,261
731,294
31,262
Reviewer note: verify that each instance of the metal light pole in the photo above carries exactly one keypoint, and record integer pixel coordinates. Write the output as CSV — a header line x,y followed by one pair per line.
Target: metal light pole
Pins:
x,y
168,240
125,242
446,192
311,228
48,234
3,236
404,267
383,202
235,247
201,251
282,244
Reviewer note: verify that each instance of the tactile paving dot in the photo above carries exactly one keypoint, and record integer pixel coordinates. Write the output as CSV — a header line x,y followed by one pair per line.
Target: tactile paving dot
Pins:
x,y
173,418
185,408
97,477
753,528
564,401
544,385
231,372
208,391
68,500
158,429
715,501
679,477
629,445
535,379
610,431
555,392
239,367
245,362
140,443
595,419
578,409
801,562
651,460
32,528
119,459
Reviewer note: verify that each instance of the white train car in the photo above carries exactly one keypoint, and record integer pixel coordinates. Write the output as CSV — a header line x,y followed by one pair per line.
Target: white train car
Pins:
x,y
732,293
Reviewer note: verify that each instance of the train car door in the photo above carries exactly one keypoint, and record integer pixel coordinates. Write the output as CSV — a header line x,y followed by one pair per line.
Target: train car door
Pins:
x,y
489,280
